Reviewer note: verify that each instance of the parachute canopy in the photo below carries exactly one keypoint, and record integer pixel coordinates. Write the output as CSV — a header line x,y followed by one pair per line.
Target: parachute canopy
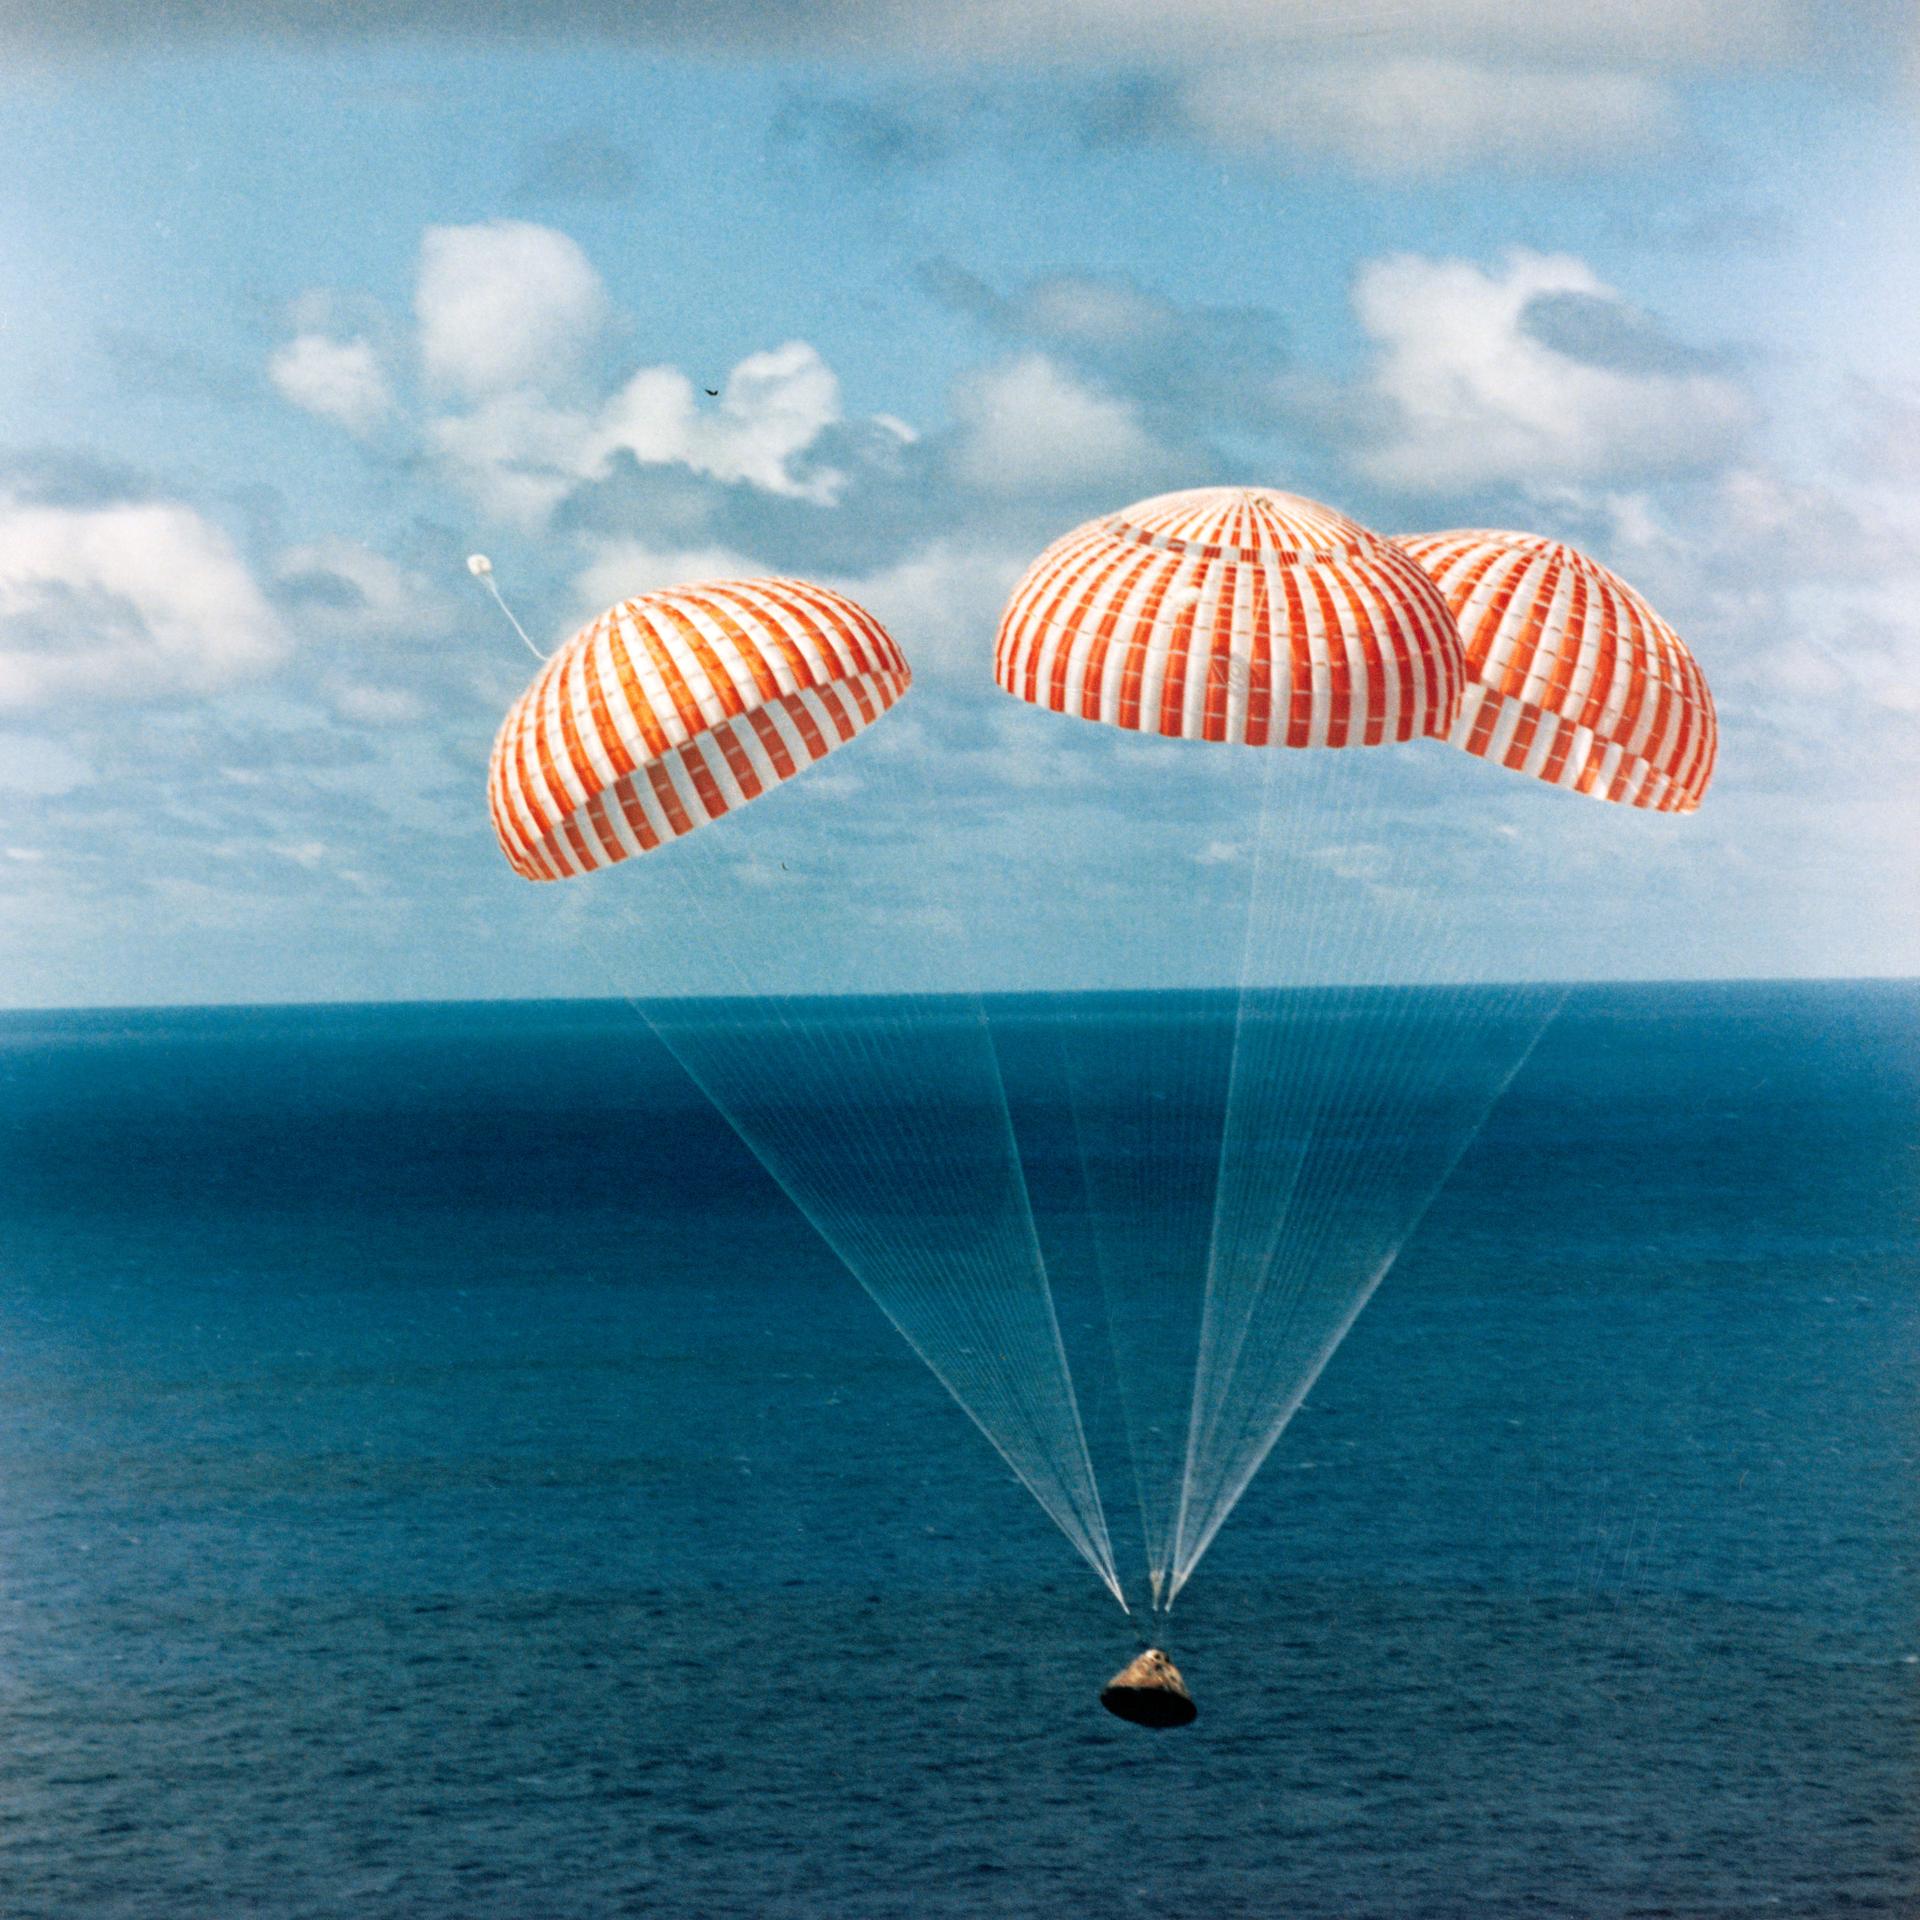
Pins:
x,y
676,707
1235,614
1571,676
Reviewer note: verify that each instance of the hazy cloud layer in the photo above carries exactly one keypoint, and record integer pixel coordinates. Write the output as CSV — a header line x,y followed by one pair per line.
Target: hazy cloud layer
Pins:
x,y
1387,88
1417,116
1679,31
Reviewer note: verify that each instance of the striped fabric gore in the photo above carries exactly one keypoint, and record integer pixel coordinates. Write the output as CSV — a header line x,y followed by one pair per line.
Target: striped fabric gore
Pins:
x,y
1571,676
1234,614
676,707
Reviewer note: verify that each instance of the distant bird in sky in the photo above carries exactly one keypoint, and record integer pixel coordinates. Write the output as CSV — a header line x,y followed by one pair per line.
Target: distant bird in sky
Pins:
x,y
712,393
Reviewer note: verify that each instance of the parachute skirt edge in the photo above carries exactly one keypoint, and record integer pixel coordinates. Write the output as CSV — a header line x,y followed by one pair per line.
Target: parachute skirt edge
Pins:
x,y
713,774
1572,677
676,707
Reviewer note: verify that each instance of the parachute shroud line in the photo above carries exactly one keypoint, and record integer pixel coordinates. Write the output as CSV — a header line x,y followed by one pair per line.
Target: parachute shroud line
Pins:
x,y
482,570
1255,1143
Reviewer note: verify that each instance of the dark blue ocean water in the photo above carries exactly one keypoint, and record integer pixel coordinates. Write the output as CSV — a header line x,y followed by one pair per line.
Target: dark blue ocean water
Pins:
x,y
440,1475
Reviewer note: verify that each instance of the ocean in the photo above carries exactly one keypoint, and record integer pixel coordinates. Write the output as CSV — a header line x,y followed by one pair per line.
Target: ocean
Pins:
x,y
441,1474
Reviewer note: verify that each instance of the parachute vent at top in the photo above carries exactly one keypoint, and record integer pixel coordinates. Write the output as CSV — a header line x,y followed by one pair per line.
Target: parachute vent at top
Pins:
x,y
676,707
1571,676
1235,614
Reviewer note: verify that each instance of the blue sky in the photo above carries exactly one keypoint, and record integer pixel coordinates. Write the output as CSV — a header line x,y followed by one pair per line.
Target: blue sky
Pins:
x,y
293,317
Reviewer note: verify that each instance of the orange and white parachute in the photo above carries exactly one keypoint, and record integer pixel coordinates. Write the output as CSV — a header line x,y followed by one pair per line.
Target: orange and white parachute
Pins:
x,y
1571,676
676,707
1235,614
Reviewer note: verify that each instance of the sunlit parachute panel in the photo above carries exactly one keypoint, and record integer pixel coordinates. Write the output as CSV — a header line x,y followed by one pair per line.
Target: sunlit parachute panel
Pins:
x,y
676,707
1572,677
1234,614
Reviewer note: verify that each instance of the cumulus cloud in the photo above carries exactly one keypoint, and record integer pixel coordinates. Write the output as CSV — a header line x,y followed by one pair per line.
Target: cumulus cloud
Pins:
x,y
1760,526
506,304
1422,115
1465,392
516,455
122,601
942,601
520,454
772,407
511,320
619,569
340,380
1028,426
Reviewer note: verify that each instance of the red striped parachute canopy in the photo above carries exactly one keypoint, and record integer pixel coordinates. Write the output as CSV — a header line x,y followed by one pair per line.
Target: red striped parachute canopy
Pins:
x,y
1571,676
1235,614
676,707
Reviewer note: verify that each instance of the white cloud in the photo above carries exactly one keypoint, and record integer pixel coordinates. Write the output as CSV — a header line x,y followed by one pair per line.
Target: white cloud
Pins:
x,y
1801,597
124,601
519,454
1799,593
340,380
1219,853
1463,395
370,619
1094,312
1759,526
941,602
1028,426
1421,115
506,304
619,569
509,316
773,407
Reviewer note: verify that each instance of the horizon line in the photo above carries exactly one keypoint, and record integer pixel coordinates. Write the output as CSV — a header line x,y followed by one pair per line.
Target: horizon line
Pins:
x,y
998,994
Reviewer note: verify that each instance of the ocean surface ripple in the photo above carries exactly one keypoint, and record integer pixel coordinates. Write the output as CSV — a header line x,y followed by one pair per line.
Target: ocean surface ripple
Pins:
x,y
440,1475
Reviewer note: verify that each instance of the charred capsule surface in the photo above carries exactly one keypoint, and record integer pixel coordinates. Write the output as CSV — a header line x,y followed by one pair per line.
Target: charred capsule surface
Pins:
x,y
1150,1692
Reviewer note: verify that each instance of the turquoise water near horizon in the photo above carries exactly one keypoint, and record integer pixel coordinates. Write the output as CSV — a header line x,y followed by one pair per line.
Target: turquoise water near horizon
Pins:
x,y
440,1474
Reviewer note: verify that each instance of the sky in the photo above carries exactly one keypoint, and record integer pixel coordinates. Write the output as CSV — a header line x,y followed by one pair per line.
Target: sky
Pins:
x,y
300,306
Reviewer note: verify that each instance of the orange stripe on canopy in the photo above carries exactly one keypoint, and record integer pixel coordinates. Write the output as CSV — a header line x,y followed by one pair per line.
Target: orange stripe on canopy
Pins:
x,y
651,671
